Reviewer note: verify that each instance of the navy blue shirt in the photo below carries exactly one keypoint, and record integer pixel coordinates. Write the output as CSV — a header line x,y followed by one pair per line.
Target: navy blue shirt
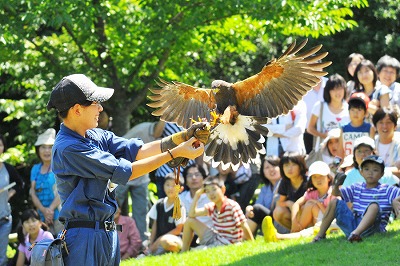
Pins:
x,y
84,167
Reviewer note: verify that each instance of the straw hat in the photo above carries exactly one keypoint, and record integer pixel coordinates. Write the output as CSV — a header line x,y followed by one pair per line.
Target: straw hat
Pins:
x,y
46,138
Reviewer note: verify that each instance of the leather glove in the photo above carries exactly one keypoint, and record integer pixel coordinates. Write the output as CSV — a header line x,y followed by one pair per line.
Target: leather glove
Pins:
x,y
199,130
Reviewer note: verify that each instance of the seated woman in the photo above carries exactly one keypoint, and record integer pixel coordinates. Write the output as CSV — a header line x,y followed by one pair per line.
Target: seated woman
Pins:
x,y
265,203
293,185
309,209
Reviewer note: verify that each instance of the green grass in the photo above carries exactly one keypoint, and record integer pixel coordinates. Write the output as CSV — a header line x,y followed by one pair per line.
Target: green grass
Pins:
x,y
379,248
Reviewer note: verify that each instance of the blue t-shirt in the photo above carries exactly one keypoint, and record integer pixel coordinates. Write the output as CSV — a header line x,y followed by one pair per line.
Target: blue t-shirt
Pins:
x,y
84,168
350,134
44,188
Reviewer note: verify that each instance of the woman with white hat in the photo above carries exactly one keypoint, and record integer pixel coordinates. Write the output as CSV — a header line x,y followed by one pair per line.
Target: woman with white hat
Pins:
x,y
43,183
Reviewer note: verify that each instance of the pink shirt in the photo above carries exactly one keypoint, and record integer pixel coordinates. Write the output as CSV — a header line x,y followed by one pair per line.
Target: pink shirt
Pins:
x,y
42,235
313,194
129,238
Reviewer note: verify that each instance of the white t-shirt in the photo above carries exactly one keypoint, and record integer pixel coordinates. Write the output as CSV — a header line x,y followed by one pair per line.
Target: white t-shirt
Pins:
x,y
329,119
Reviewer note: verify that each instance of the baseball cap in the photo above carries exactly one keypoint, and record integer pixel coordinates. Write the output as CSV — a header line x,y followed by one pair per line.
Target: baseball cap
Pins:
x,y
359,97
76,88
46,138
373,158
319,168
365,140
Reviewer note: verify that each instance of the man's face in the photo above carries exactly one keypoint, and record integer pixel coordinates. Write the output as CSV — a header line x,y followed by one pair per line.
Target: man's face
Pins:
x,y
194,179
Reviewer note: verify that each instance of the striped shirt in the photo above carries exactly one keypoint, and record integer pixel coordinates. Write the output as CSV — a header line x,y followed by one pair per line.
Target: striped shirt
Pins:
x,y
227,222
361,197
163,170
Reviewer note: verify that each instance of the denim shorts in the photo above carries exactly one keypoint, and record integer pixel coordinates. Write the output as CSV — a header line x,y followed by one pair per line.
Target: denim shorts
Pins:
x,y
348,222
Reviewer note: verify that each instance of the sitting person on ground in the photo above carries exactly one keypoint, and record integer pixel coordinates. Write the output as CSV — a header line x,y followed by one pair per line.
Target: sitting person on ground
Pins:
x,y
130,242
293,185
309,208
32,230
229,221
165,230
265,203
363,147
372,204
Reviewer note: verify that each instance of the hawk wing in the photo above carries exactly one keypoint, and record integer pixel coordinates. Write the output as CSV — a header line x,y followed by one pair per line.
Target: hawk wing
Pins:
x,y
180,103
281,83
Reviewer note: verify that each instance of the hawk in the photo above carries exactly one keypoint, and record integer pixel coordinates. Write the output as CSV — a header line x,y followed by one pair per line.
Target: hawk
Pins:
x,y
237,111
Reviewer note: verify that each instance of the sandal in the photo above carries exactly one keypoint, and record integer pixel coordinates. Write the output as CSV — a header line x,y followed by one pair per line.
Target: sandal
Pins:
x,y
318,238
354,238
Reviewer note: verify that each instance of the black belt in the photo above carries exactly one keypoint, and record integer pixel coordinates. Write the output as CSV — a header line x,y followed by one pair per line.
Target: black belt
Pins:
x,y
108,226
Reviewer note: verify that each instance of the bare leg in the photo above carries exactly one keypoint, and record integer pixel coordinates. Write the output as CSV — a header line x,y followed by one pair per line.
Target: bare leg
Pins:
x,y
252,225
192,225
329,216
283,216
368,219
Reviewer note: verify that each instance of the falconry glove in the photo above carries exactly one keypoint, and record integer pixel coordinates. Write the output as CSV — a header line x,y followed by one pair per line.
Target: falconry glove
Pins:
x,y
198,130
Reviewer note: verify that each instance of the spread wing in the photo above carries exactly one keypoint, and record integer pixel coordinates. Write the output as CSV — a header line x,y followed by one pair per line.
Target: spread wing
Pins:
x,y
281,83
180,103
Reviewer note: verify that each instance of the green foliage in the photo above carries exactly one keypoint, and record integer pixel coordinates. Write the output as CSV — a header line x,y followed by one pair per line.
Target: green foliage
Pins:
x,y
128,45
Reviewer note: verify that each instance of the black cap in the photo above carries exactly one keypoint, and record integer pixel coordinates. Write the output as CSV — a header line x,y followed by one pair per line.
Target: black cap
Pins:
x,y
74,89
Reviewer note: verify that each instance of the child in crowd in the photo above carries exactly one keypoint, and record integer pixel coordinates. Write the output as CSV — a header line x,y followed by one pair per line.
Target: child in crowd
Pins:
x,y
358,105
165,230
265,203
31,231
130,242
293,185
372,204
229,221
363,147
309,209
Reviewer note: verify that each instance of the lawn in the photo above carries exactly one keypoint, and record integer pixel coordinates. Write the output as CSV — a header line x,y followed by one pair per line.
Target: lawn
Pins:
x,y
380,248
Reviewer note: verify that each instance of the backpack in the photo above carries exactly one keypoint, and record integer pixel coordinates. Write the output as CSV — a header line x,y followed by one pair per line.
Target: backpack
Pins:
x,y
47,252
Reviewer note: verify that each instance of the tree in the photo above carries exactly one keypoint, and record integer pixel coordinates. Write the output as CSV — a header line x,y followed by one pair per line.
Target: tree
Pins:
x,y
128,45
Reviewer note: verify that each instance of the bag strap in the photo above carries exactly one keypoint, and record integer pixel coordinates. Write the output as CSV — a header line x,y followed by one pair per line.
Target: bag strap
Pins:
x,y
321,112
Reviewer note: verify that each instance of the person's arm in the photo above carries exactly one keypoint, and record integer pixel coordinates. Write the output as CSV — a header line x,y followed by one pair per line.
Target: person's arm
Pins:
x,y
150,158
312,127
396,207
153,241
35,199
20,259
296,207
194,211
56,201
247,234
177,230
281,201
